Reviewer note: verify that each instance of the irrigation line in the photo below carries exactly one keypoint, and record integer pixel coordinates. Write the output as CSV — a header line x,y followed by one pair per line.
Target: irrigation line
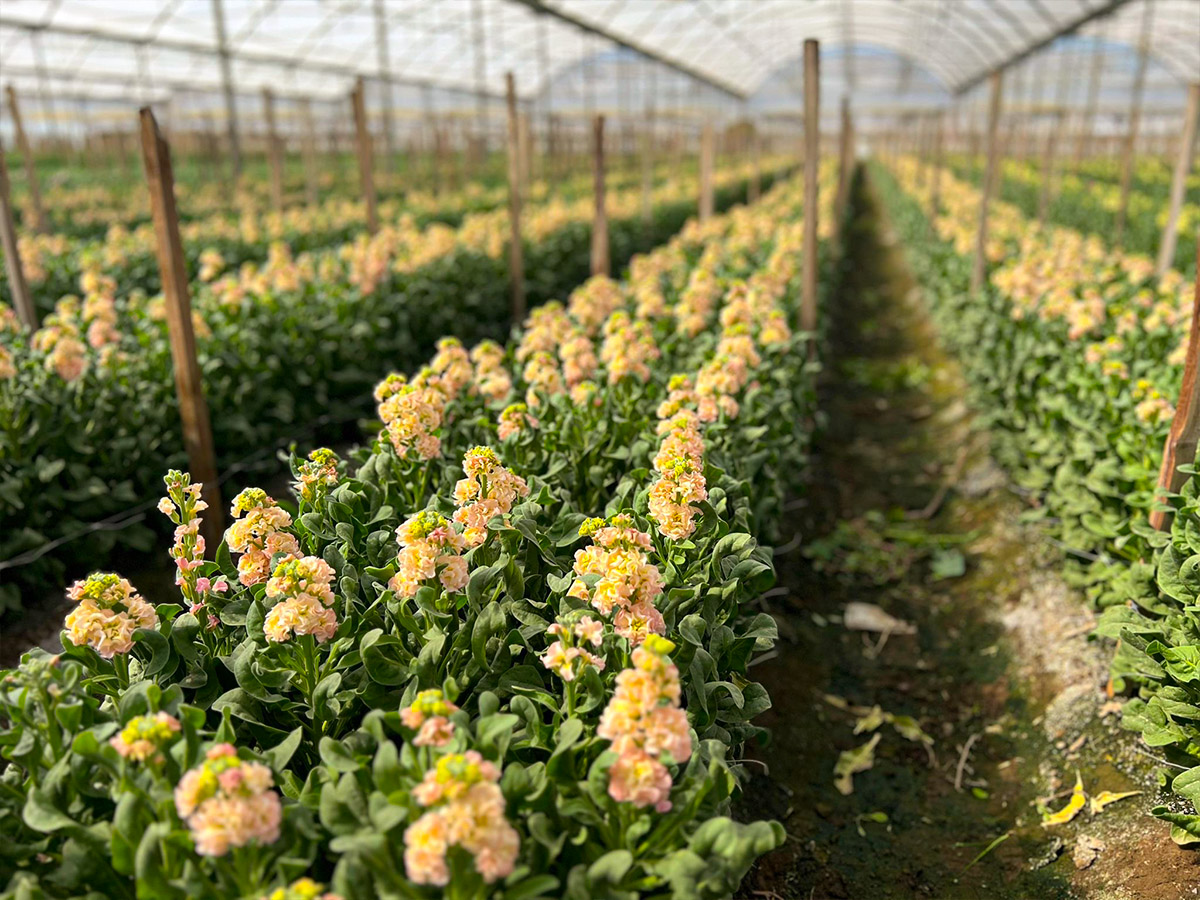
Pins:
x,y
124,519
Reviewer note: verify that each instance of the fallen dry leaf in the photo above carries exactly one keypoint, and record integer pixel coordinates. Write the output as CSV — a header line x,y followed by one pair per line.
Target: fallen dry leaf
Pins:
x,y
1071,810
860,759
1104,798
860,616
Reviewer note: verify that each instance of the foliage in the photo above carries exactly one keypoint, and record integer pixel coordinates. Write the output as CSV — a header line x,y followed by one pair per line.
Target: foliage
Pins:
x,y
433,739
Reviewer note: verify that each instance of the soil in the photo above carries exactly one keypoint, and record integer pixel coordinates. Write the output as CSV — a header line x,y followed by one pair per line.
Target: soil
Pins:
x,y
1000,673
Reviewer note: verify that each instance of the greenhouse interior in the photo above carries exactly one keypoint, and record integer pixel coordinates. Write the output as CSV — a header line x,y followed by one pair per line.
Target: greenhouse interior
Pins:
x,y
599,449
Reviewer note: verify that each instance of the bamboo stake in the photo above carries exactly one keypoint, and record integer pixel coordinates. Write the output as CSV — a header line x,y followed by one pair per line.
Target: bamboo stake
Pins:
x,y
17,286
812,145
172,265
1048,167
601,264
524,151
365,161
1183,166
516,263
1184,435
40,222
274,148
979,266
706,172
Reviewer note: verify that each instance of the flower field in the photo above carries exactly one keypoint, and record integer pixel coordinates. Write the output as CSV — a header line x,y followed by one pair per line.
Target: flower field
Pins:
x,y
1076,356
459,663
88,415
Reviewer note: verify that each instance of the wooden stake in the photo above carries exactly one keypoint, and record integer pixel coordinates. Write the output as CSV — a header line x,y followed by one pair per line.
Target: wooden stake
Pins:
x,y
1184,435
17,286
516,263
845,162
274,150
193,411
754,189
812,149
939,160
979,267
706,172
365,157
1183,166
40,222
1048,167
524,151
647,173
600,257
308,150
1134,121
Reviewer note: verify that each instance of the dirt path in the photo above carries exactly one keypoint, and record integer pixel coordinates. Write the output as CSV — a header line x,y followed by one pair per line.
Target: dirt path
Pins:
x,y
909,515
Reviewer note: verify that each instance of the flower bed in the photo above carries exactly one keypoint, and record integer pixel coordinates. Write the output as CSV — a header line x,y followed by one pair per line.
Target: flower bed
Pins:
x,y
88,415
1075,353
453,670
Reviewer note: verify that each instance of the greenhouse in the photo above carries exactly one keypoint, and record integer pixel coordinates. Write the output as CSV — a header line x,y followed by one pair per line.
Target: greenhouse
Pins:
x,y
599,449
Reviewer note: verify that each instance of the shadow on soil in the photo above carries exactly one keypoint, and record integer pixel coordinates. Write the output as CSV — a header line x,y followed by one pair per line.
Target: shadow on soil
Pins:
x,y
908,513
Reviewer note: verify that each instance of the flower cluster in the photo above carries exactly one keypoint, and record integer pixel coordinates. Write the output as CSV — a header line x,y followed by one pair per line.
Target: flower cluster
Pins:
x,y
578,356
427,716
568,656
108,614
594,301
697,301
643,720
680,485
228,803
515,420
544,331
302,589
429,548
258,534
411,414
183,505
465,809
489,490
144,736
492,380
301,889
452,366
317,474
624,582
628,348
542,375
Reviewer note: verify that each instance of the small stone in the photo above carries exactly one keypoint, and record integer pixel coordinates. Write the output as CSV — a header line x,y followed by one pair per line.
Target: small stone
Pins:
x,y
1087,848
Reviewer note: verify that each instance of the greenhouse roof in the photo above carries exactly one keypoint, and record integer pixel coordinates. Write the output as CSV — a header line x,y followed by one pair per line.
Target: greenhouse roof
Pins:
x,y
315,48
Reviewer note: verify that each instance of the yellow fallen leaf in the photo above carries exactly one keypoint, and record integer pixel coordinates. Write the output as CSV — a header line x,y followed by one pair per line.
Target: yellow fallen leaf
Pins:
x,y
1104,798
1071,810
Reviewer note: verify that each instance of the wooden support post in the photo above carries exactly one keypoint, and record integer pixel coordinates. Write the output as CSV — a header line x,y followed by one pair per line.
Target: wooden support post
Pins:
x,y
365,156
1183,167
1184,435
647,174
939,161
40,222
706,172
1129,148
524,151
17,286
754,189
308,149
1048,167
979,267
812,149
845,164
172,266
601,264
516,263
274,150
231,120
